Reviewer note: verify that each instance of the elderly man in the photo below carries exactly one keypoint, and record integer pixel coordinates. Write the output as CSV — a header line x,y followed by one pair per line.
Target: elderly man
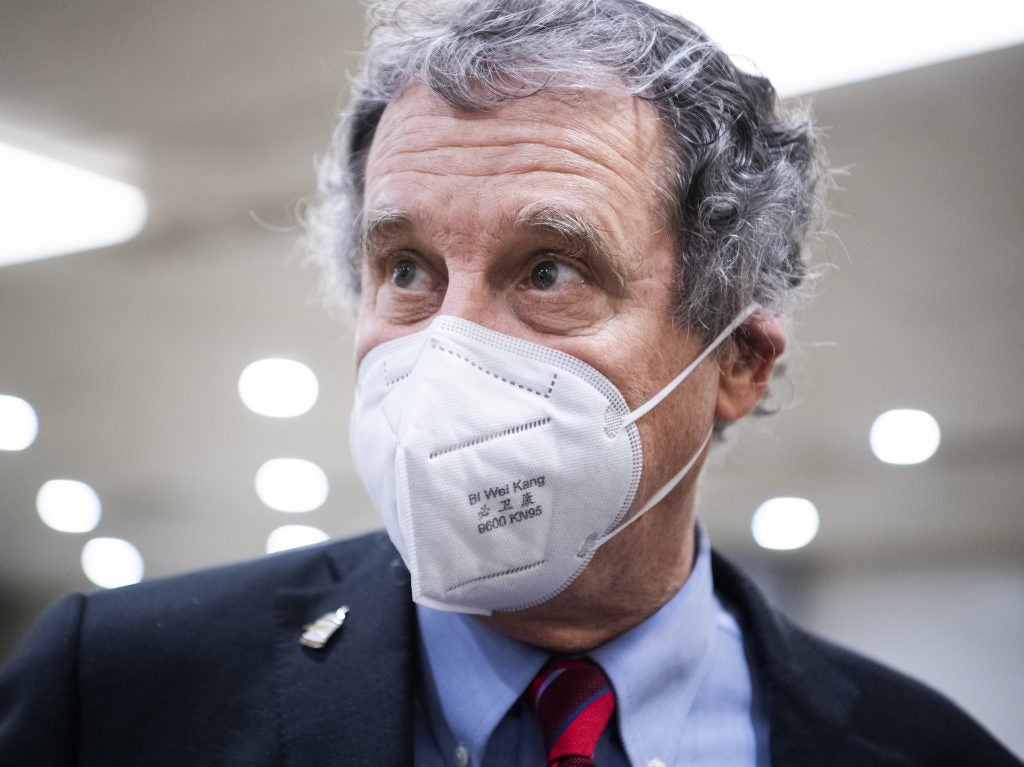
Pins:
x,y
574,228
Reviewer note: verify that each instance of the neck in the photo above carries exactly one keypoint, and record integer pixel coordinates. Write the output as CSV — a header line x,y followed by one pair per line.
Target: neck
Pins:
x,y
629,579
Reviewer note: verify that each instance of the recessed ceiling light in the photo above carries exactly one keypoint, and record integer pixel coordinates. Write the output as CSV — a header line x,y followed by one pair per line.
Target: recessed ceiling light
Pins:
x,y
904,436
785,523
291,484
51,208
112,562
68,506
809,45
18,423
293,536
279,388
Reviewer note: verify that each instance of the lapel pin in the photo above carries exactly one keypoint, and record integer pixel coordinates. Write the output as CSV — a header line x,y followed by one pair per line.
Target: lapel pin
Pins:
x,y
316,634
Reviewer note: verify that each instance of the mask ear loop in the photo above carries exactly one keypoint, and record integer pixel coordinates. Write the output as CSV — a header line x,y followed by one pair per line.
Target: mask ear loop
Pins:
x,y
592,543
654,401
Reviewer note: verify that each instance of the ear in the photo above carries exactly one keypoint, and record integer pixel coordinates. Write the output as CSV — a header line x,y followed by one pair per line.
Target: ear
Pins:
x,y
745,371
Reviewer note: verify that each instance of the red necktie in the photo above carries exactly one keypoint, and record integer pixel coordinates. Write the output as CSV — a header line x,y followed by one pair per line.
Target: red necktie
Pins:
x,y
574,702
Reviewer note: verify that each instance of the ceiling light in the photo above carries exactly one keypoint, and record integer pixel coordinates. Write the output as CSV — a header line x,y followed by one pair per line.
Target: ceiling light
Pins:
x,y
50,208
68,506
293,536
904,436
111,562
785,523
807,45
278,388
18,423
291,484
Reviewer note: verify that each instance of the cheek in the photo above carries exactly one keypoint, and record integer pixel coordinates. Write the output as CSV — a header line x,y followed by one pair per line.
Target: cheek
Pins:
x,y
366,338
386,313
371,331
644,353
368,329
683,419
648,360
576,310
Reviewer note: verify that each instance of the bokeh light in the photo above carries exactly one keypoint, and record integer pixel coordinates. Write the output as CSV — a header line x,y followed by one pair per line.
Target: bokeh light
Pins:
x,y
68,505
278,388
293,536
785,523
291,484
904,436
112,562
18,423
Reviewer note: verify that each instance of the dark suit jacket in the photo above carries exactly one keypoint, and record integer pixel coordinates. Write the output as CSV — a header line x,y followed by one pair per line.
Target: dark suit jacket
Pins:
x,y
206,669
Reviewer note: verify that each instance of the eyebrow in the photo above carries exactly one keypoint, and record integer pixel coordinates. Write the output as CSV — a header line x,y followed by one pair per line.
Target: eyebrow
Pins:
x,y
581,235
379,223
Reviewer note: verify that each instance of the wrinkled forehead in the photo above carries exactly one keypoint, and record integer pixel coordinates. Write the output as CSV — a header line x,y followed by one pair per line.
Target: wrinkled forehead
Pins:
x,y
596,131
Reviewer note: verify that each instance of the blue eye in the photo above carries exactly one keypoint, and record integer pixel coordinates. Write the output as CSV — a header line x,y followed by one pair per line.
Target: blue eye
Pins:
x,y
544,275
404,273
554,275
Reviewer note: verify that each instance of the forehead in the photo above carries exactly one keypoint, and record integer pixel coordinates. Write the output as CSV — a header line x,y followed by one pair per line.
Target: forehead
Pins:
x,y
603,144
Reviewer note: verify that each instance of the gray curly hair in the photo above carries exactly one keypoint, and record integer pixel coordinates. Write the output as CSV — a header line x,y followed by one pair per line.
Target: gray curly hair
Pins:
x,y
744,189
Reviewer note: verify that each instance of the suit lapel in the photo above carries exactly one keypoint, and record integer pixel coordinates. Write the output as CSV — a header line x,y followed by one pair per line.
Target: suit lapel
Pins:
x,y
352,701
810,701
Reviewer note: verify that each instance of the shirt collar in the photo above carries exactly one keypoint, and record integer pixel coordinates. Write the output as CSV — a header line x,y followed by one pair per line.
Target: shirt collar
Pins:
x,y
474,676
657,667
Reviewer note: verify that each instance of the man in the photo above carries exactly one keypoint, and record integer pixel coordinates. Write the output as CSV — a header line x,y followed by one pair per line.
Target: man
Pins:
x,y
573,228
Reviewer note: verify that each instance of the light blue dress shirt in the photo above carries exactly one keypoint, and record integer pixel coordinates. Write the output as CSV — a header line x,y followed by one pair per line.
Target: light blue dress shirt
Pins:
x,y
683,689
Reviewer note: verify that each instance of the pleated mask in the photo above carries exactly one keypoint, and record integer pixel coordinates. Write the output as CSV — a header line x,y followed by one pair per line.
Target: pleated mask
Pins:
x,y
498,466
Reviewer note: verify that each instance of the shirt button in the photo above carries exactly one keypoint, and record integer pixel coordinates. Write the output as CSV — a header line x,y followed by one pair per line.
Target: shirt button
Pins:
x,y
462,757
655,763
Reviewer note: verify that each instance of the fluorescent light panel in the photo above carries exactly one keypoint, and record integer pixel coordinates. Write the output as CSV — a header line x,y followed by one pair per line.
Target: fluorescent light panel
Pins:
x,y
50,208
809,45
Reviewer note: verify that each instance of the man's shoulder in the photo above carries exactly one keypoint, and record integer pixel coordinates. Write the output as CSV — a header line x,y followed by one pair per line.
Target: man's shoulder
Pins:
x,y
240,594
310,565
218,627
209,664
817,690
221,612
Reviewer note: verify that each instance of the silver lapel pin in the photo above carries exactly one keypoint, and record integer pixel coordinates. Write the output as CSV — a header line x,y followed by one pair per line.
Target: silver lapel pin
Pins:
x,y
316,634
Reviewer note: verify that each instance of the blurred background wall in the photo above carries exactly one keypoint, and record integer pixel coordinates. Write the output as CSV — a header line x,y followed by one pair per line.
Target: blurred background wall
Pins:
x,y
131,354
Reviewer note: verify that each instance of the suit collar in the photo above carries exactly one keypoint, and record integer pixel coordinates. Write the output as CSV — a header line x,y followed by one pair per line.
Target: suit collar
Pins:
x,y
352,701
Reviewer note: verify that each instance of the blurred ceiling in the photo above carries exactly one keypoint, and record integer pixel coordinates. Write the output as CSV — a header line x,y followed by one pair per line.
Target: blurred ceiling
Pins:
x,y
131,355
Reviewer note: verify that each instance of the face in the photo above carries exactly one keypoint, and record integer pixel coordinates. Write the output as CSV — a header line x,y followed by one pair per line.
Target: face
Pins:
x,y
541,220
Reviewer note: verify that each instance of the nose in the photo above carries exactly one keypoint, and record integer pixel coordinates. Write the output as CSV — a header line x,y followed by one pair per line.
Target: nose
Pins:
x,y
469,296
466,297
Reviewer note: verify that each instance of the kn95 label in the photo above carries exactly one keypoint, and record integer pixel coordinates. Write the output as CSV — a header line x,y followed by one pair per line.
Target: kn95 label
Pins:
x,y
509,503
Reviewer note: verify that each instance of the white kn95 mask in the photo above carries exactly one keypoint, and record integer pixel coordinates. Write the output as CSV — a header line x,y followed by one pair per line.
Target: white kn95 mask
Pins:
x,y
498,465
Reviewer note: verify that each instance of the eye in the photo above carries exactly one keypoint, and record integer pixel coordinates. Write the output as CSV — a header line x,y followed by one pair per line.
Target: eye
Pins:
x,y
550,275
406,274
